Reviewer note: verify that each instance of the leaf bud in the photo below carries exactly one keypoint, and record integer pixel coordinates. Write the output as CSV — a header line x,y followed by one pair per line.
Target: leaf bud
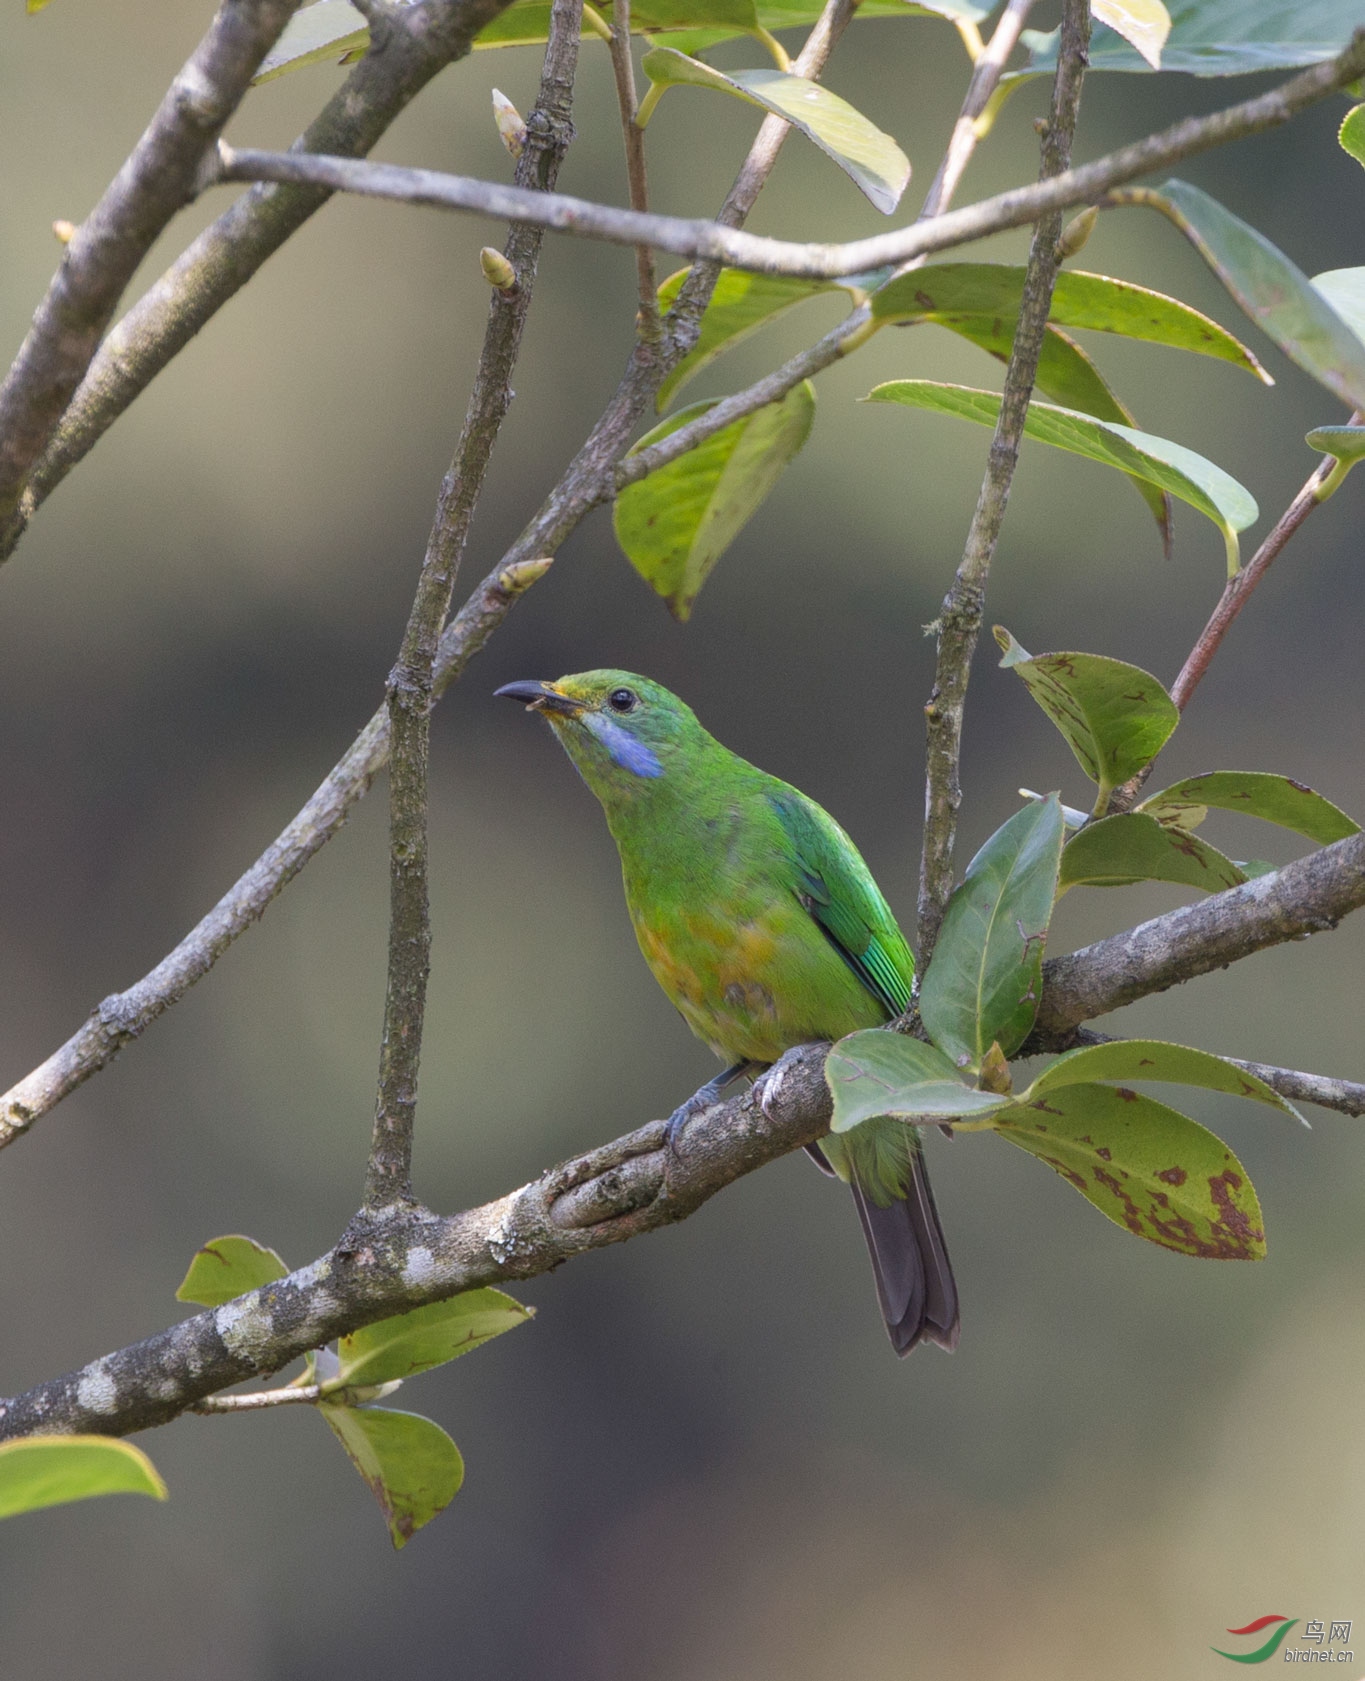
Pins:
x,y
497,271
1076,232
521,574
511,124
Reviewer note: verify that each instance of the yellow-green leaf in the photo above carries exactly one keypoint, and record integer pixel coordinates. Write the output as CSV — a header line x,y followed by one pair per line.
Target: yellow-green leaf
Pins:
x,y
674,524
1351,134
412,1467
1148,1168
1275,799
1169,465
227,1267
1114,717
38,1471
1129,847
871,159
875,1073
1144,24
428,1336
740,304
1155,1059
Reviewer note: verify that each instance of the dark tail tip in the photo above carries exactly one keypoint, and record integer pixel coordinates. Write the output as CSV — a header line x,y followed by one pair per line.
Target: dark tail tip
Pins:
x,y
915,1283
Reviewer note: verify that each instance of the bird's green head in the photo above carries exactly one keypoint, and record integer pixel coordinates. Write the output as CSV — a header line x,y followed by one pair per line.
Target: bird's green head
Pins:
x,y
625,733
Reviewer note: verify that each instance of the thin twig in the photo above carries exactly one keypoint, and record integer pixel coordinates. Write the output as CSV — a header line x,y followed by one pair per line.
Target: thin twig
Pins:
x,y
986,72
156,181
959,622
632,1185
697,239
388,1179
307,1394
1236,593
419,41
1347,1097
633,138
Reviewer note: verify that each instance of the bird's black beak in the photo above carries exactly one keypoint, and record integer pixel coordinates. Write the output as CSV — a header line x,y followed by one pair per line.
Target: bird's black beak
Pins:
x,y
541,697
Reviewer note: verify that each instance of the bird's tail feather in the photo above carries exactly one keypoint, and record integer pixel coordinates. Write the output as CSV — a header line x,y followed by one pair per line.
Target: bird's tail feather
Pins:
x,y
915,1282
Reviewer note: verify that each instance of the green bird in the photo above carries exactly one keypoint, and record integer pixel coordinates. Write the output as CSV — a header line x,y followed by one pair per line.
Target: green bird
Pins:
x,y
763,925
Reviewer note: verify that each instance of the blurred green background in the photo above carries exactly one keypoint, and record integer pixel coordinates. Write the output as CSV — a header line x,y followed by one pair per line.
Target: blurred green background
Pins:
x,y
702,1460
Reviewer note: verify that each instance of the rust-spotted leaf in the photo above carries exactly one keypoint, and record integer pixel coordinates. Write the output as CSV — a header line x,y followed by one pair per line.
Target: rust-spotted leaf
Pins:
x,y
1146,1167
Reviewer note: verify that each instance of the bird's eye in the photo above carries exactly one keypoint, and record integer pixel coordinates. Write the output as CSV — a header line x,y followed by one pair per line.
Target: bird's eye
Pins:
x,y
623,700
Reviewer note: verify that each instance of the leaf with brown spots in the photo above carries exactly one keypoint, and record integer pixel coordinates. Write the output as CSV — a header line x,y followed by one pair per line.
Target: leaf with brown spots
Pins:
x,y
1129,847
1115,717
412,1467
1275,799
1154,1059
1146,1167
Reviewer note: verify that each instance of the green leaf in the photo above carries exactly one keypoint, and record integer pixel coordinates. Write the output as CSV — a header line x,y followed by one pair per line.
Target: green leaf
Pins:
x,y
1115,717
428,1336
1155,1059
1277,295
1150,1169
1344,289
1092,302
1223,38
876,1073
1144,24
1347,443
1277,799
228,1267
985,977
39,1471
1351,134
1170,466
412,1467
674,524
318,34
872,160
1129,847
739,306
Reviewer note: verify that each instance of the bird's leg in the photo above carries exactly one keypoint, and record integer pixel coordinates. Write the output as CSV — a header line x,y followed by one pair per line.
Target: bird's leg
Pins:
x,y
702,1099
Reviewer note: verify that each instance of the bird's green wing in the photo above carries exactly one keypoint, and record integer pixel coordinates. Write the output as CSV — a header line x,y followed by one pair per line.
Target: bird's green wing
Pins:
x,y
837,888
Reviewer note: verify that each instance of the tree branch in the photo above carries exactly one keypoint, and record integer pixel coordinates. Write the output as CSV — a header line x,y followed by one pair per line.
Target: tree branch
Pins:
x,y
411,692
986,72
418,41
710,241
959,622
633,139
158,179
1305,897
634,1185
122,1017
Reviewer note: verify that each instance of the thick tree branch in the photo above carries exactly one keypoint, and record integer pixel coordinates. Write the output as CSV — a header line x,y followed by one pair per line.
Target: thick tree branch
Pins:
x,y
418,41
959,622
158,179
412,682
1305,897
710,241
634,1185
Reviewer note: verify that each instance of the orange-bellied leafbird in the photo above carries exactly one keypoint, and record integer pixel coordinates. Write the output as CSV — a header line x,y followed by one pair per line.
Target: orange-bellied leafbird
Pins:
x,y
763,925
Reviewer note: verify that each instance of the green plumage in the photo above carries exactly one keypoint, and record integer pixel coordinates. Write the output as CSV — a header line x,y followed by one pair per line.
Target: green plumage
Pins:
x,y
753,908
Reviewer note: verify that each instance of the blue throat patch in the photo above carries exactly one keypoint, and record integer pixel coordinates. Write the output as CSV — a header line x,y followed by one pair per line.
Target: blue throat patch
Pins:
x,y
625,750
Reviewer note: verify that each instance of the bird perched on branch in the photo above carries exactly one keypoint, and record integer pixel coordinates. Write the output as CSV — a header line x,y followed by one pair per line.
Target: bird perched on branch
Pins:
x,y
763,925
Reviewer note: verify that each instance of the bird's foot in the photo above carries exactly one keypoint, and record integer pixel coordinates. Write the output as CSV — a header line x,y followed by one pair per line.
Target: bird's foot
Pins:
x,y
700,1101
